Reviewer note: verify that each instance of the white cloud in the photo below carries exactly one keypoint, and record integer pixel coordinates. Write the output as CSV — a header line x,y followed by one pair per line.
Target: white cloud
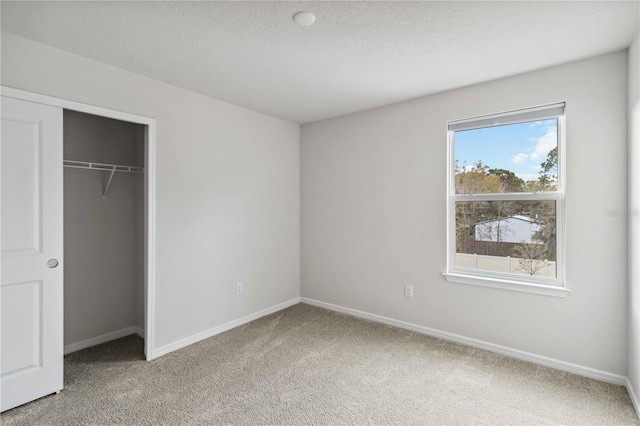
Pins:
x,y
519,158
545,124
545,143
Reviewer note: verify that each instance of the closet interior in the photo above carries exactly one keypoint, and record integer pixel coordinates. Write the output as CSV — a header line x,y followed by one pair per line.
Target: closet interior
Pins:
x,y
104,222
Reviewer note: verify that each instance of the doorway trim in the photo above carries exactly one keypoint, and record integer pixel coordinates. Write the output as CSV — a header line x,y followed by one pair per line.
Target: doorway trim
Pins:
x,y
150,191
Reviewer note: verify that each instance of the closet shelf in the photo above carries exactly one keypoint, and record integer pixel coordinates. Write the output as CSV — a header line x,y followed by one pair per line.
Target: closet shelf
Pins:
x,y
101,166
113,168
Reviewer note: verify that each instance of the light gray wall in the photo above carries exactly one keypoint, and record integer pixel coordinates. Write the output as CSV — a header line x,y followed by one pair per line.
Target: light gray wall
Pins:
x,y
374,215
228,188
102,285
634,219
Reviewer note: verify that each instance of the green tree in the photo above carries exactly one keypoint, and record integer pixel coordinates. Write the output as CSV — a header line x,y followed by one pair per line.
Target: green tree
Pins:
x,y
510,182
549,170
546,211
479,178
475,179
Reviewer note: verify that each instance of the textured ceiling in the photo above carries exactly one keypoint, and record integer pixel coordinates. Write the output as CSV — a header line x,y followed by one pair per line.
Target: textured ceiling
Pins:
x,y
358,55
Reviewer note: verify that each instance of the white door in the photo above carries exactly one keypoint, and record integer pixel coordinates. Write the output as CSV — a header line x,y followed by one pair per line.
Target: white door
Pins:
x,y
31,245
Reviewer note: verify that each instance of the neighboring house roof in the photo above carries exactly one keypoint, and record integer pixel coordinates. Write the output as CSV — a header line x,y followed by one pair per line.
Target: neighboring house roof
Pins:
x,y
515,216
513,229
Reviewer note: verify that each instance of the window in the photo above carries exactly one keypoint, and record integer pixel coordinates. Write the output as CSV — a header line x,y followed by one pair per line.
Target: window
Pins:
x,y
505,206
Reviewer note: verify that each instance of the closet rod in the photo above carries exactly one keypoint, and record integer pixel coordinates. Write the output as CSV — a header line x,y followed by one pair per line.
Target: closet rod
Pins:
x,y
113,168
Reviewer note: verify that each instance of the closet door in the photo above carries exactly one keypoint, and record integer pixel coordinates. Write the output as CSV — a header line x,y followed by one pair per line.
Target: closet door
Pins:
x,y
31,248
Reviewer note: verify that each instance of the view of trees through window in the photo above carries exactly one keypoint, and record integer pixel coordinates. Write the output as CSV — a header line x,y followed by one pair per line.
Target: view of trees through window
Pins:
x,y
505,234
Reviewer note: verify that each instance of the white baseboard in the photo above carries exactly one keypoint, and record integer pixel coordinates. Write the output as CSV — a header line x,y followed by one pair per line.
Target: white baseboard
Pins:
x,y
139,331
634,397
163,350
73,347
592,373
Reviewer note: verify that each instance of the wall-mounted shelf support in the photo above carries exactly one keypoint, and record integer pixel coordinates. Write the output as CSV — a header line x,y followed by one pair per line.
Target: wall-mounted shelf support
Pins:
x,y
106,189
113,168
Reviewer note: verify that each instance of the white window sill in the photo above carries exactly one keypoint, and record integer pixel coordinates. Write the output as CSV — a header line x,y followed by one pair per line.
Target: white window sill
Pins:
x,y
514,285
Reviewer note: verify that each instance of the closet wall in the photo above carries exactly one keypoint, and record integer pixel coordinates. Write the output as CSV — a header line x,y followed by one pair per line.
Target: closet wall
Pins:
x,y
103,238
227,200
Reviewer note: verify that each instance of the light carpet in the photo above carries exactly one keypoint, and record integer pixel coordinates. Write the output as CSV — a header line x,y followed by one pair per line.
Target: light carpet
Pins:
x,y
307,365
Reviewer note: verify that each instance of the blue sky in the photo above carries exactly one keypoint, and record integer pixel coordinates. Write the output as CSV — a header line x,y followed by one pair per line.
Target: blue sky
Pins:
x,y
517,147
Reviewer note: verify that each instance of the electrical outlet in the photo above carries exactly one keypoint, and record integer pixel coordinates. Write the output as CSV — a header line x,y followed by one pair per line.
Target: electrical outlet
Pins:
x,y
239,288
408,290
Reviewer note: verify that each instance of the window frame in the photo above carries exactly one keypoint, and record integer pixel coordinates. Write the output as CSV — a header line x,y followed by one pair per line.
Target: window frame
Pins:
x,y
504,280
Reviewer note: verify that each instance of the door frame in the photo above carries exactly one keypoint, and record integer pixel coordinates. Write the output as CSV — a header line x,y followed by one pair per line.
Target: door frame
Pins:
x,y
150,191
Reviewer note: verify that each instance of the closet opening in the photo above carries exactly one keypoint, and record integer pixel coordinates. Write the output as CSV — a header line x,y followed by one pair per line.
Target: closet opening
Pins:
x,y
105,237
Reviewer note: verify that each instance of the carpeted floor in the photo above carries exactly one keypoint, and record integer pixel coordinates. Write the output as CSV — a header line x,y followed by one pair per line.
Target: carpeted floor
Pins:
x,y
307,365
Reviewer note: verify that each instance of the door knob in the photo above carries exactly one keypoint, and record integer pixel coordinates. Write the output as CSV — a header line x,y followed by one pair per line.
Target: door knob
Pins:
x,y
52,263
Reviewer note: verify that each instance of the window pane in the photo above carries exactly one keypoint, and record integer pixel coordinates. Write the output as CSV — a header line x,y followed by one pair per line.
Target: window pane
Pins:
x,y
519,157
517,237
